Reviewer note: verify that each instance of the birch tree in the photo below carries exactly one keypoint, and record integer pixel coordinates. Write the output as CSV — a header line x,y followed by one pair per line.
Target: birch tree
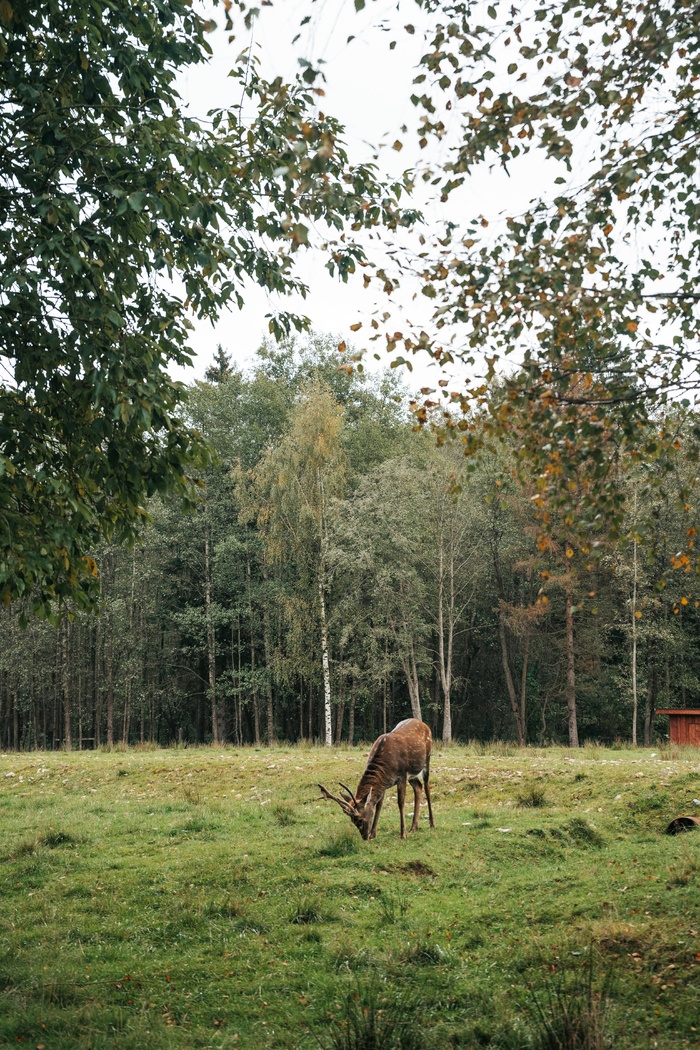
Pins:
x,y
296,482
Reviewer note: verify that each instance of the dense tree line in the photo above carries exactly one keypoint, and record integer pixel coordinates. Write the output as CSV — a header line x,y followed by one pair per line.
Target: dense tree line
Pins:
x,y
342,571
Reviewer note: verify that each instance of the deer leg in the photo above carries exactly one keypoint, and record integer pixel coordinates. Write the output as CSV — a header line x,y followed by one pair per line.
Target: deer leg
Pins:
x,y
377,811
417,792
401,789
426,785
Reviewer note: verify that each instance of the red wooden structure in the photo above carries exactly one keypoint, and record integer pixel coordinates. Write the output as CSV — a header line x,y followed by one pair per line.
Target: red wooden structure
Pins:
x,y
684,725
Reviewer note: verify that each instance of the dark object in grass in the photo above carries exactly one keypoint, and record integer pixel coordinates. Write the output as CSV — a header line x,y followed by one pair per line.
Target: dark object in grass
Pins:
x,y
679,824
398,757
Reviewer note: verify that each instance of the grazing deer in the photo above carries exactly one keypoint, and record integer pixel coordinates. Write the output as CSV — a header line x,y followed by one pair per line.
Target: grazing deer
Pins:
x,y
397,757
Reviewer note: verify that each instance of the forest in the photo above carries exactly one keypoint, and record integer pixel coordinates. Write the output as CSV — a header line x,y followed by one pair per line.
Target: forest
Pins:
x,y
345,568
510,555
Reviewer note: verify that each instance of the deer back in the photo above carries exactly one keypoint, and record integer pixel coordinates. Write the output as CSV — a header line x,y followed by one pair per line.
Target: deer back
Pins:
x,y
403,751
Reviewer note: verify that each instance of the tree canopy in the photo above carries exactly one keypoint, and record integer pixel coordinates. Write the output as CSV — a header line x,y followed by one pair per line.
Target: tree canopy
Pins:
x,y
330,555
582,302
121,219
593,288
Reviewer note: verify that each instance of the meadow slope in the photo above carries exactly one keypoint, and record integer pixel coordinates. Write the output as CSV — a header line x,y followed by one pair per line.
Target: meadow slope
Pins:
x,y
207,898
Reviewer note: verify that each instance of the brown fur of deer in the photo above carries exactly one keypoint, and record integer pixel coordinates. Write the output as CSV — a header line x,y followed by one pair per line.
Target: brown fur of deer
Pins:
x,y
399,757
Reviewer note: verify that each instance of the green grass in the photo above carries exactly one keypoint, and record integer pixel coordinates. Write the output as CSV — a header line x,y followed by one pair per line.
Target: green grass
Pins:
x,y
207,898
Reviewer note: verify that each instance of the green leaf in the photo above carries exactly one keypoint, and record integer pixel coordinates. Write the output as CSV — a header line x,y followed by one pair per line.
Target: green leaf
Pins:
x,y
137,200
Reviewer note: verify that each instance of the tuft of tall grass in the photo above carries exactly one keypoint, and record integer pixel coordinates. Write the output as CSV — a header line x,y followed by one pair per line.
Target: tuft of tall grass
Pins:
x,y
583,833
650,801
342,844
482,818
307,910
685,872
372,1021
284,815
533,796
349,957
571,1013
54,838
191,794
393,907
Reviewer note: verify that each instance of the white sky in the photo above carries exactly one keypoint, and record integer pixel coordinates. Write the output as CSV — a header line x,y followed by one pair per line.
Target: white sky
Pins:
x,y
368,89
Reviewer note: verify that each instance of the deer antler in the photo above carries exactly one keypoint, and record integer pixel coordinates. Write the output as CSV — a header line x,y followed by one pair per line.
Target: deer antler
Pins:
x,y
342,802
350,793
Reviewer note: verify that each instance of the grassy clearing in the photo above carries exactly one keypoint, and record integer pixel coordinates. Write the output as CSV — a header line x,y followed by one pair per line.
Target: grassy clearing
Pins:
x,y
206,898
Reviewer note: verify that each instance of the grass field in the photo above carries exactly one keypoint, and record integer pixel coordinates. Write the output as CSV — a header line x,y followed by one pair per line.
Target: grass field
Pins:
x,y
206,898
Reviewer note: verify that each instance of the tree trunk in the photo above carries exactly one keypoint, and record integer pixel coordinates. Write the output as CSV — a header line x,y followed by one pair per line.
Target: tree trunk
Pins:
x,y
326,665
311,712
386,649
97,689
110,680
445,652
351,720
523,686
15,720
271,732
339,718
570,664
634,642
65,681
301,708
211,641
651,695
510,686
79,690
237,695
256,704
408,662
494,537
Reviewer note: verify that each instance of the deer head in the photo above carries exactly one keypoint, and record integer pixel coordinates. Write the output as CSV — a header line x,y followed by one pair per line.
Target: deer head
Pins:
x,y
360,813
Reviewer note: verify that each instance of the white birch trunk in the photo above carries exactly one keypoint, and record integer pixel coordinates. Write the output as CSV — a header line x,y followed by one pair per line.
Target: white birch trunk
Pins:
x,y
326,666
445,656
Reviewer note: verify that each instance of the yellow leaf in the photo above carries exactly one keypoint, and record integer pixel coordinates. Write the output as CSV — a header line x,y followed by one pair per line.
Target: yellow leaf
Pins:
x,y
569,552
356,327
684,601
632,326
637,614
92,566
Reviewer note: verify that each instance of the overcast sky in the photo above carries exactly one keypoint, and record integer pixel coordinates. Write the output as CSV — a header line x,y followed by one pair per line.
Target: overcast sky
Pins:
x,y
368,87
